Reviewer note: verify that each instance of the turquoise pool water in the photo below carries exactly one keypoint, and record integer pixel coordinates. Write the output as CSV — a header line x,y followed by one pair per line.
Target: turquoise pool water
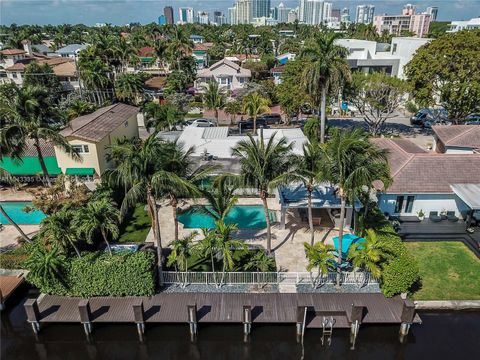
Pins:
x,y
347,241
14,209
245,216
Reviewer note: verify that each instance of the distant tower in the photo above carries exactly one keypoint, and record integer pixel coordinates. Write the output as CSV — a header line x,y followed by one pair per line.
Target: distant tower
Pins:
x,y
243,10
345,16
162,20
185,15
168,12
365,14
260,8
433,11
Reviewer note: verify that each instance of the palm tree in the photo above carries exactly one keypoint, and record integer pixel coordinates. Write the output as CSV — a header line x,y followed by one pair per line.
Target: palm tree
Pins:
x,y
350,161
326,70
221,198
160,117
46,265
59,229
319,256
232,108
179,46
265,165
95,75
260,262
182,249
29,120
368,254
213,98
129,87
99,215
255,104
309,173
79,108
139,171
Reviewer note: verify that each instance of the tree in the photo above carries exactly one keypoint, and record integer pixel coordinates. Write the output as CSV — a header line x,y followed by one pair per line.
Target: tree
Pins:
x,y
291,91
221,198
255,104
99,215
30,119
232,108
265,165
326,70
319,256
368,254
351,161
446,72
260,262
79,108
213,98
139,171
377,97
59,229
161,117
46,264
129,87
43,76
182,250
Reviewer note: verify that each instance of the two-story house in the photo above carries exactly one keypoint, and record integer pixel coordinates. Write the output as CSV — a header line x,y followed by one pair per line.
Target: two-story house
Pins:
x,y
227,74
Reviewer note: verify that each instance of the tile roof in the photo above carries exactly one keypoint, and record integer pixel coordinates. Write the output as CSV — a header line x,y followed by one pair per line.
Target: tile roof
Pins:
x,y
72,48
459,135
157,82
146,51
12,52
45,146
415,171
94,127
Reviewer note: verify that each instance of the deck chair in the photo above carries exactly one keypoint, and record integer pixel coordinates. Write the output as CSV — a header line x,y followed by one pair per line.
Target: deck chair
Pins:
x,y
434,216
451,216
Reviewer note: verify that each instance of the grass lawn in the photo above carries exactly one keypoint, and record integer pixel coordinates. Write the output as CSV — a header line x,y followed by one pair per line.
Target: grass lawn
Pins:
x,y
136,226
448,271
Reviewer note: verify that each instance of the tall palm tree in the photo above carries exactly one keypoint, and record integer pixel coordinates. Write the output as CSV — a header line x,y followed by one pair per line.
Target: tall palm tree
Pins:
x,y
95,75
161,117
139,171
79,108
179,46
351,161
29,120
368,254
232,108
319,256
99,215
221,197
260,262
46,265
129,88
59,229
310,174
255,104
265,165
182,250
213,98
327,69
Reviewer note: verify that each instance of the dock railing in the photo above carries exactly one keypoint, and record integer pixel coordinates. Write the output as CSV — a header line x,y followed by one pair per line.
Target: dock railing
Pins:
x,y
252,278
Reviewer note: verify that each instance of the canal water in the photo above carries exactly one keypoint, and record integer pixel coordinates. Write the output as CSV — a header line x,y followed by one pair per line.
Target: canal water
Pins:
x,y
442,335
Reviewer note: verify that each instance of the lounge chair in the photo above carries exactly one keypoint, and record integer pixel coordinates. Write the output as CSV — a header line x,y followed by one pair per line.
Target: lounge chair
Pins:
x,y
434,216
451,216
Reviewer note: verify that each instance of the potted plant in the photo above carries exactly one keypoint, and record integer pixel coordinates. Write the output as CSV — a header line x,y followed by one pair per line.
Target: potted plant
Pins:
x,y
421,215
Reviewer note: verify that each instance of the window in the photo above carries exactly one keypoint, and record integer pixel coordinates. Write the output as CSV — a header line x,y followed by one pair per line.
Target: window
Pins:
x,y
14,75
125,123
409,205
81,149
399,205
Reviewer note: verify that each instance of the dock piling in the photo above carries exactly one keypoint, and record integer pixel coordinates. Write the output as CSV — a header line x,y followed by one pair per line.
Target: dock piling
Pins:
x,y
247,321
2,304
85,316
139,317
33,314
355,318
192,320
301,320
408,314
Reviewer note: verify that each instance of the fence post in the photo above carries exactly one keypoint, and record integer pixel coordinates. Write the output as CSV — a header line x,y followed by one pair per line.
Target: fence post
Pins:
x,y
85,316
33,314
247,321
139,317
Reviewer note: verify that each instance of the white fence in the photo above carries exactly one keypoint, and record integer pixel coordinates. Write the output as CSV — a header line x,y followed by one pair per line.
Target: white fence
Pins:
x,y
287,278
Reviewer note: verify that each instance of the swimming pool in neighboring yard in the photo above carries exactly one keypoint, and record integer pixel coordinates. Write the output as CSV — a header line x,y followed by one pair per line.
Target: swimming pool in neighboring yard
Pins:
x,y
15,209
245,216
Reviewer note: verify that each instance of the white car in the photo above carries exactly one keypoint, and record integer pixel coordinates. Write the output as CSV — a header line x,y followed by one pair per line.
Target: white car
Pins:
x,y
202,123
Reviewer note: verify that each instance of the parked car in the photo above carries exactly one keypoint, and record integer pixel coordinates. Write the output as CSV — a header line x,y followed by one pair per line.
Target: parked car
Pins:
x,y
473,119
248,124
272,118
202,123
429,117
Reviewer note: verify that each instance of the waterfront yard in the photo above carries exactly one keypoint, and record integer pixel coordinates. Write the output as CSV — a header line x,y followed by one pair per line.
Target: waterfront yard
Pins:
x,y
136,226
448,270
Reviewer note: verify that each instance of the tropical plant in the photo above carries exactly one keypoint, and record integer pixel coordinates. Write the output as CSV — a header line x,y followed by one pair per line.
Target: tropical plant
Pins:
x,y
79,108
182,250
213,98
265,165
160,117
326,70
319,256
351,161
221,197
46,264
232,108
255,104
129,87
29,118
59,230
98,215
260,262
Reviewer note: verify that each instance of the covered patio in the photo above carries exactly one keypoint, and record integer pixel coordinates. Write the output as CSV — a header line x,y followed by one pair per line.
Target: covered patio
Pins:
x,y
325,205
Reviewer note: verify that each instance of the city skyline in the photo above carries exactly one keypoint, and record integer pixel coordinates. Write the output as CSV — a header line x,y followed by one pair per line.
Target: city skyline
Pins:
x,y
120,12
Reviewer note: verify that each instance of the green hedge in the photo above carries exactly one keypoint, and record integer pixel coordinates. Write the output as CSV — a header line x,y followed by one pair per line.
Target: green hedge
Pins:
x,y
14,259
100,274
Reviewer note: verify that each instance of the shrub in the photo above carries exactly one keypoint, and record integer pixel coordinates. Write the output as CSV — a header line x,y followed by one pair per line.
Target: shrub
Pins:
x,y
99,274
12,260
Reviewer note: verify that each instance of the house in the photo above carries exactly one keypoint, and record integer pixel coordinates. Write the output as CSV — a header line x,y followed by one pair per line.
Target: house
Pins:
x,y
277,73
456,139
197,39
200,54
426,181
226,73
91,135
471,24
72,50
284,58
149,62
242,58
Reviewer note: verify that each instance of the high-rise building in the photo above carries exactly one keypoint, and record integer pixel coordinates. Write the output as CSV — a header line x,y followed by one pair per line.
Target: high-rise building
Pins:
x,y
292,16
185,15
420,24
345,16
408,21
162,20
282,13
327,11
365,14
203,18
301,10
232,15
168,12
261,8
219,18
313,13
243,9
433,12
274,12
336,14
409,10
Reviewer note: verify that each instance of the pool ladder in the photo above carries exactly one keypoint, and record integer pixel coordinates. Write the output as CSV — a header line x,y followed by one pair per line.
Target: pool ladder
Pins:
x,y
327,330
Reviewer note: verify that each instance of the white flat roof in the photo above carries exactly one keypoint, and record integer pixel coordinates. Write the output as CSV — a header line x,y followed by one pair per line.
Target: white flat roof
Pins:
x,y
469,193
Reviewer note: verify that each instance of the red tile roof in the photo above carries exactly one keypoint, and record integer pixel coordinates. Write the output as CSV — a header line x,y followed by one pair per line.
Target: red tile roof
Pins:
x,y
459,135
146,51
12,52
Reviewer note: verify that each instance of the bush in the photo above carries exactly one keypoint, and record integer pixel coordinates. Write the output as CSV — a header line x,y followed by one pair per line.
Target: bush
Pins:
x,y
14,259
99,274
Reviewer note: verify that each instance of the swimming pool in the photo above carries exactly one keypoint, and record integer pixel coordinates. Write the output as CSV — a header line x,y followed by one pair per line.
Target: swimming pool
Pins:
x,y
15,209
245,216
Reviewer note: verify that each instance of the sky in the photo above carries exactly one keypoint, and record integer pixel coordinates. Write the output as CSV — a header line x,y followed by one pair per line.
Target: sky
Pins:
x,y
119,12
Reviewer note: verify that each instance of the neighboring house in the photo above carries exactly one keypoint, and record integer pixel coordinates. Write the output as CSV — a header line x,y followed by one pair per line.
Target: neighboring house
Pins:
x,y
471,24
92,134
72,50
200,54
8,58
456,139
226,73
197,39
277,73
149,62
284,58
242,58
426,181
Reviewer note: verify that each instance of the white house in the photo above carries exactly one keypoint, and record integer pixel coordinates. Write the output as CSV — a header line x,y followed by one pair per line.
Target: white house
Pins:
x,y
226,73
464,25
71,50
427,181
456,139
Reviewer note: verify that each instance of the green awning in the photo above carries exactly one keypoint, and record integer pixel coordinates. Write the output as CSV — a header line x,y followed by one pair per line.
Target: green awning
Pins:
x,y
146,60
80,171
29,165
